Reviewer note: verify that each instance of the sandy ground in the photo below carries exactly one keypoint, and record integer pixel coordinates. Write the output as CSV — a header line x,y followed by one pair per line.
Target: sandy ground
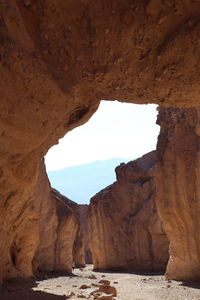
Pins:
x,y
129,287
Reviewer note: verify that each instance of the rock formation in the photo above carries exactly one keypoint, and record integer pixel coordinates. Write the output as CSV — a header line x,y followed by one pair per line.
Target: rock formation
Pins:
x,y
58,59
83,213
81,252
67,229
42,235
178,186
124,229
78,250
58,226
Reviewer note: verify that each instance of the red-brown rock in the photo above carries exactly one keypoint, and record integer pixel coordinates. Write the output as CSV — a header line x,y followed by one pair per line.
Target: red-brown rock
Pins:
x,y
83,216
68,225
104,282
107,289
178,186
58,226
125,231
81,252
78,250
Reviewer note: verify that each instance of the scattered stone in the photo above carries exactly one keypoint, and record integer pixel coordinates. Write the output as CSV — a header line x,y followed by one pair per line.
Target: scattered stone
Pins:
x,y
71,294
106,297
168,286
95,284
81,296
107,289
103,296
104,282
91,276
103,276
84,287
116,282
95,293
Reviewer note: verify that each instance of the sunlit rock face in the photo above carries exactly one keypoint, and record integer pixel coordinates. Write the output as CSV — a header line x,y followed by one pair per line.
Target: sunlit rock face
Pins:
x,y
178,183
57,60
124,229
58,226
68,226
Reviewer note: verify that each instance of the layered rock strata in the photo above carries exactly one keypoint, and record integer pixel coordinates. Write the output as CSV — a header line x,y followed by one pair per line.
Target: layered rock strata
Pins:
x,y
124,229
178,186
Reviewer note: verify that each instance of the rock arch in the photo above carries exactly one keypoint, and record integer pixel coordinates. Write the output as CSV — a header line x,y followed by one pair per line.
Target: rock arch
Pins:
x,y
58,59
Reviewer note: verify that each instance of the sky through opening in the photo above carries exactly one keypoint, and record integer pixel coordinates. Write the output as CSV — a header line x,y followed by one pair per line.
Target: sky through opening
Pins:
x,y
116,130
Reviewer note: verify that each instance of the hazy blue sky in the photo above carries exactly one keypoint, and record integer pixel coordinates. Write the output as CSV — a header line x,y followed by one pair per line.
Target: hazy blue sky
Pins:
x,y
116,130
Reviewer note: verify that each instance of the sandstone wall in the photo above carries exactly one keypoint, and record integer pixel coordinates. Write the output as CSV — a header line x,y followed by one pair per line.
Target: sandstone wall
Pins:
x,y
45,208
178,186
83,212
81,253
19,233
58,225
78,250
124,228
38,232
68,227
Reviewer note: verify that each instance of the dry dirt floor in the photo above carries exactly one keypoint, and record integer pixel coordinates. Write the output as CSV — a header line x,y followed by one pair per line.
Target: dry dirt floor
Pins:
x,y
129,287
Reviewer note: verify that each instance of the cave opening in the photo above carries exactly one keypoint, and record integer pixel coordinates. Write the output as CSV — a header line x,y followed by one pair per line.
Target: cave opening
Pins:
x,y
85,159
86,162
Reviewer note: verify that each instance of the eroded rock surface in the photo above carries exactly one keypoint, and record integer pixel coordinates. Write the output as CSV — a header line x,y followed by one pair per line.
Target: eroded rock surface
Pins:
x,y
83,213
124,228
68,226
41,233
178,183
81,252
78,250
58,227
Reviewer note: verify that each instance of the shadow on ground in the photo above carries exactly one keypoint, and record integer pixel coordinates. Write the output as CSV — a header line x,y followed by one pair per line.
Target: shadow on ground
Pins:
x,y
194,285
124,271
19,291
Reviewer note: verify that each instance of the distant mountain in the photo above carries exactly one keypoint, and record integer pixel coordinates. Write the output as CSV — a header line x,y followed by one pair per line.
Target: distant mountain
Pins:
x,y
80,183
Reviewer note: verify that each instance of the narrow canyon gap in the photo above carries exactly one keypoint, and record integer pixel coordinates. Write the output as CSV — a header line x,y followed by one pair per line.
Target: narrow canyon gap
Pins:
x,y
58,59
